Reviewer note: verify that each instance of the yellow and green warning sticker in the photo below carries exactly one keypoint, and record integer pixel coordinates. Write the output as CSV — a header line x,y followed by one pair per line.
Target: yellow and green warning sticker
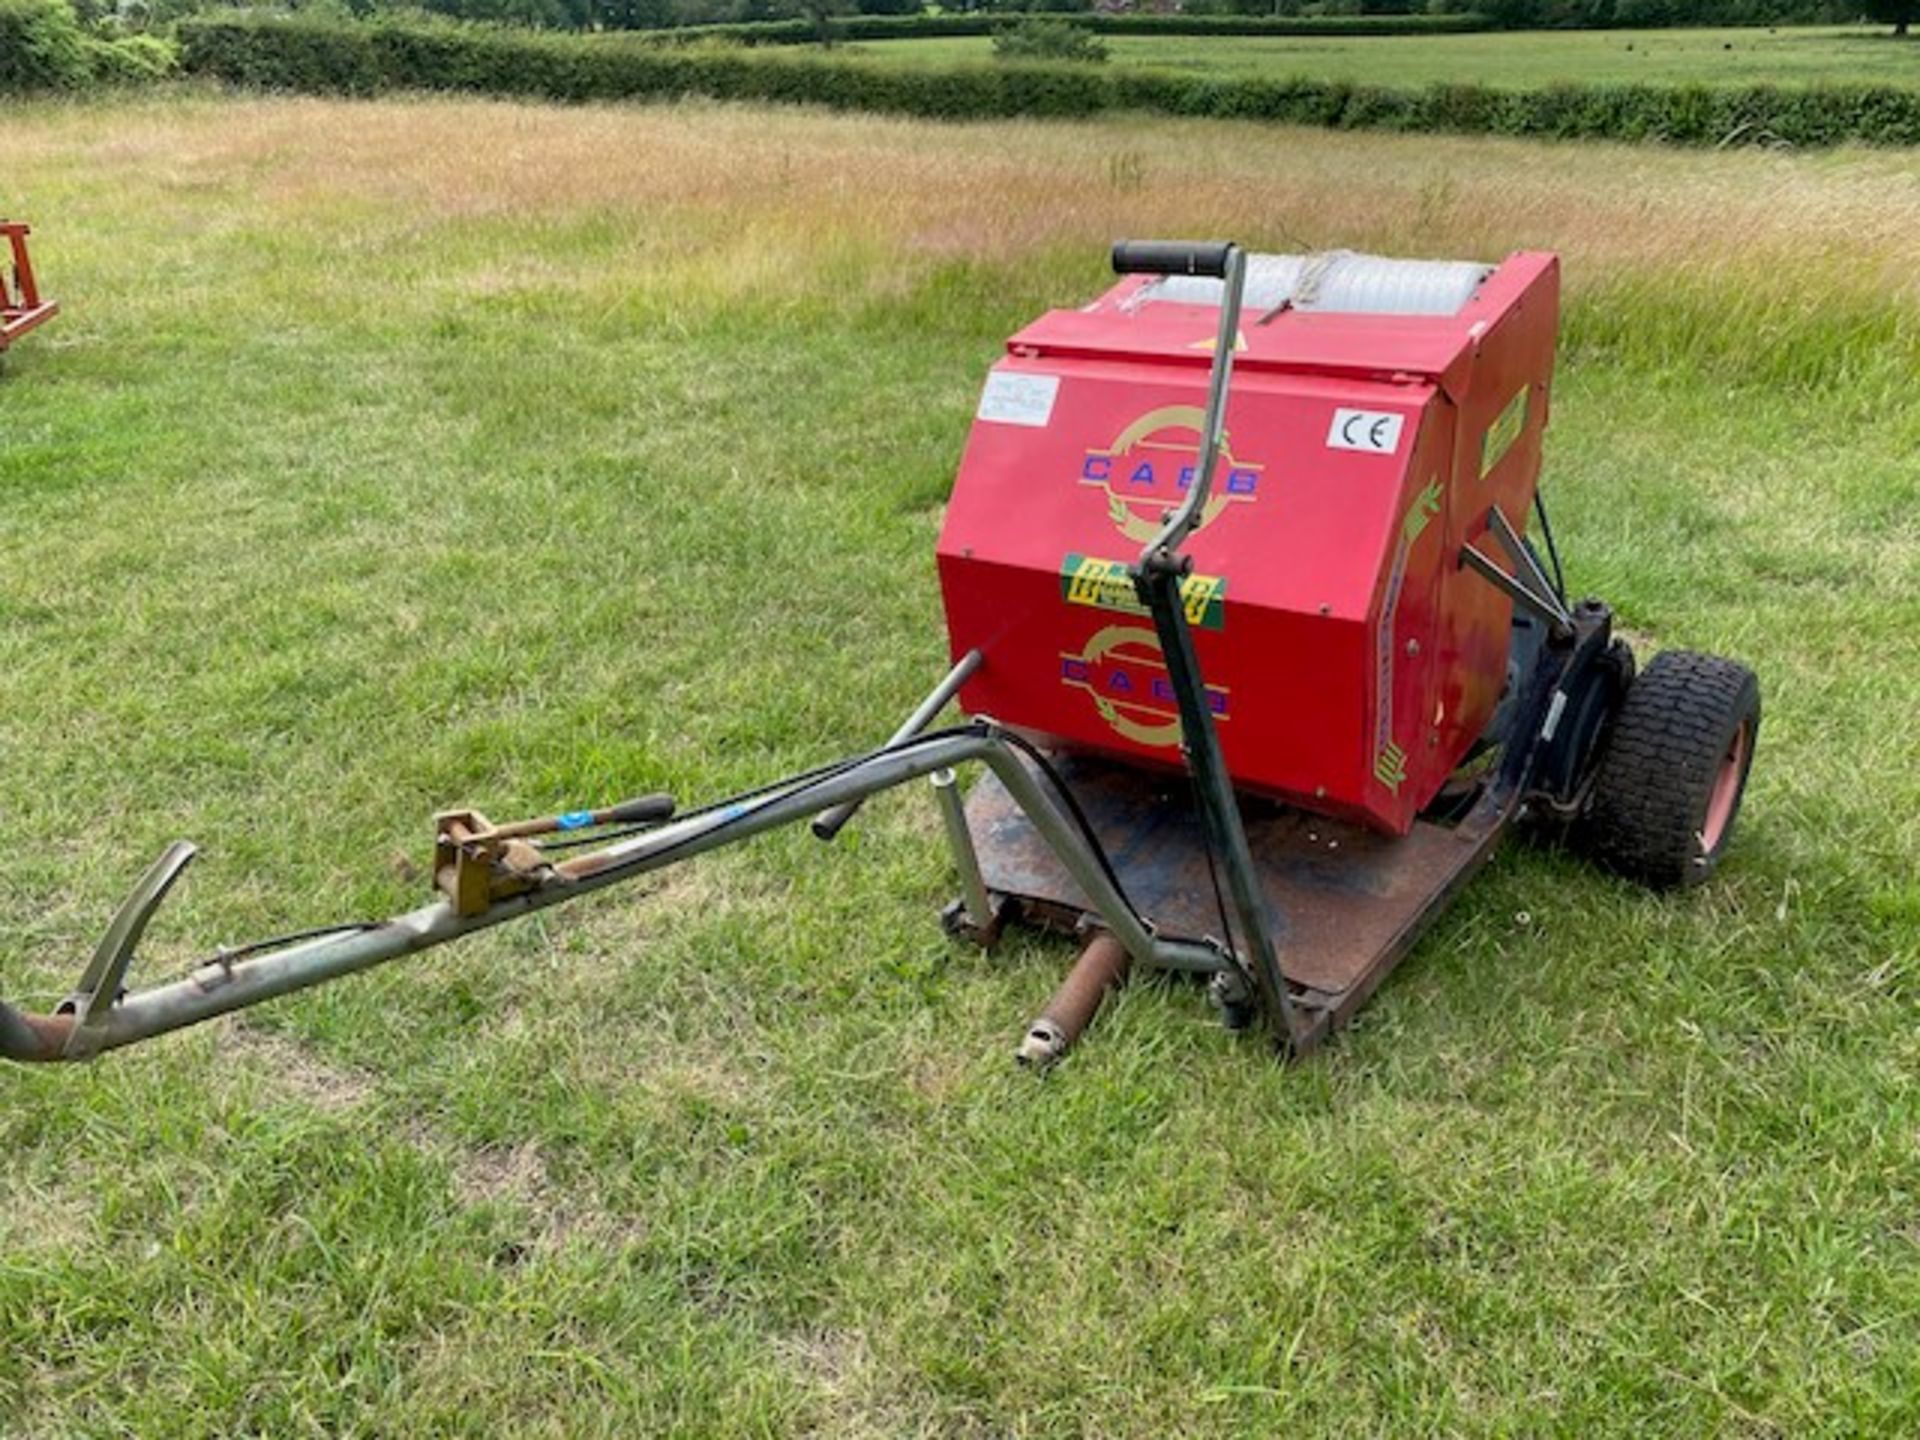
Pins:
x,y
1390,768
1106,585
1505,431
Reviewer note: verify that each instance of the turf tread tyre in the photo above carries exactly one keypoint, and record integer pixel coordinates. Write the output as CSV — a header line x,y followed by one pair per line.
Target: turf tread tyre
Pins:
x,y
1658,769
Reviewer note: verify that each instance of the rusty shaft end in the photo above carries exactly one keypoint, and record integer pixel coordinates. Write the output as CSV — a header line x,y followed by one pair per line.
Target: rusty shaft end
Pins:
x,y
33,1038
1102,966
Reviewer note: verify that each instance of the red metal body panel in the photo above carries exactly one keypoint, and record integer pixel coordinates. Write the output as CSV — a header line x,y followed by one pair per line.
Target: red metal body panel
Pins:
x,y
21,307
1351,661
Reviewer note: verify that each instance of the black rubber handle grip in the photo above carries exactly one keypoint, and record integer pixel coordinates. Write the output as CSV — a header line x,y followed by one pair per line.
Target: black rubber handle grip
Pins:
x,y
639,811
1172,257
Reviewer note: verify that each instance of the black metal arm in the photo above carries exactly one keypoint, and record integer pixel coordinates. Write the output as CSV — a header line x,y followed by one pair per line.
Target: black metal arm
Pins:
x,y
1156,579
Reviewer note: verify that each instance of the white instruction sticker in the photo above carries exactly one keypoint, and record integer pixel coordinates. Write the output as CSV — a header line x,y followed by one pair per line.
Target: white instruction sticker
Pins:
x,y
1372,432
1013,397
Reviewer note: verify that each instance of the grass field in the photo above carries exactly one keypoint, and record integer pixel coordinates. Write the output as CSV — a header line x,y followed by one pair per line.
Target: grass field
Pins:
x,y
1517,60
396,455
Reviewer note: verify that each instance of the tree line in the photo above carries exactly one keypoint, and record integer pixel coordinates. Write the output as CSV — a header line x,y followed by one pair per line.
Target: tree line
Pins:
x,y
136,16
1609,14
1505,14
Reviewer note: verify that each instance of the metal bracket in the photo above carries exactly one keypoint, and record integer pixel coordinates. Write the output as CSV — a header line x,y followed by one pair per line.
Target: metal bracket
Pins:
x,y
93,998
1528,585
956,920
476,864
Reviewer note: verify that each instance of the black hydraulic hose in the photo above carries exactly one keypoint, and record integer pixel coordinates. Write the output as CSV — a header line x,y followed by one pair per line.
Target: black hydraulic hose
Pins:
x,y
280,942
1081,822
608,837
806,779
1553,551
812,779
1213,879
227,954
749,801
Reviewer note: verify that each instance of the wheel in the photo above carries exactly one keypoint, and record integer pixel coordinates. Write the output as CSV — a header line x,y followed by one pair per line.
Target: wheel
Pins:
x,y
1670,778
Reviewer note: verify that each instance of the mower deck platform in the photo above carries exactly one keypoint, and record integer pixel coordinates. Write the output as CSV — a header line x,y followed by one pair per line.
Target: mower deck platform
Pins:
x,y
1348,902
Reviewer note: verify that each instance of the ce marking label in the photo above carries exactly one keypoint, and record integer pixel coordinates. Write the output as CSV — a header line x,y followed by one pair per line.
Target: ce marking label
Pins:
x,y
1371,432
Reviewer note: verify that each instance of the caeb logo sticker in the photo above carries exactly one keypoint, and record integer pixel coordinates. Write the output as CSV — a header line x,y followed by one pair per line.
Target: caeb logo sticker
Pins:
x,y
1149,468
1123,669
1106,585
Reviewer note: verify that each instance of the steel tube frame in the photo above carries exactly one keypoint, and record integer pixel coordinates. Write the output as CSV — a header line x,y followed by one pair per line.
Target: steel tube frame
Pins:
x,y
976,904
829,823
218,988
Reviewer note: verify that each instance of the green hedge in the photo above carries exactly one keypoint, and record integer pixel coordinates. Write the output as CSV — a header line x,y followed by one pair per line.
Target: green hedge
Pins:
x,y
1632,14
926,27
41,47
131,60
326,57
44,50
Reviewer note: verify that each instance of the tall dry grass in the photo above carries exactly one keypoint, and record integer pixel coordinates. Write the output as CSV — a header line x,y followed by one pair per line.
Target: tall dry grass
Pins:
x,y
1795,267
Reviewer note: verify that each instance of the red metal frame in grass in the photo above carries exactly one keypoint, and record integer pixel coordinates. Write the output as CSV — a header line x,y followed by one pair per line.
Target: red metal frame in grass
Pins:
x,y
21,308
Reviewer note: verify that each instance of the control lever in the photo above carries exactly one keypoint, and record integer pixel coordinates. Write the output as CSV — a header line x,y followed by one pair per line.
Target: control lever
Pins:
x,y
93,998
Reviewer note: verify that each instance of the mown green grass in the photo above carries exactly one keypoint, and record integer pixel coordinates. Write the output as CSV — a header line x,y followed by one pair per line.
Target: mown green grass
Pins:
x,y
1518,59
395,456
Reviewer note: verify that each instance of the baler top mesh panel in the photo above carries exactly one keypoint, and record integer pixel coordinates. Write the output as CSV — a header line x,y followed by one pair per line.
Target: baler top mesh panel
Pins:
x,y
1340,282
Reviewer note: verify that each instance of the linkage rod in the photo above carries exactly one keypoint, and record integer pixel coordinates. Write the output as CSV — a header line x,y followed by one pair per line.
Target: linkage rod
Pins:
x,y
220,987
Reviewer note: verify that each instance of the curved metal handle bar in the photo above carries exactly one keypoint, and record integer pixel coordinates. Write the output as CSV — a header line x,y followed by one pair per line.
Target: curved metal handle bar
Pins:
x,y
218,988
1162,550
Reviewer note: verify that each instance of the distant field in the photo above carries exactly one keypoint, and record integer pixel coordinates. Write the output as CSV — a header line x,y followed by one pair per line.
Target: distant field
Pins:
x,y
1667,57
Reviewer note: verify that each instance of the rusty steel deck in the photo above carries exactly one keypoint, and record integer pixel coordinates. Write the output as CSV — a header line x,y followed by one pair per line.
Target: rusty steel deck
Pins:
x,y
1348,902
